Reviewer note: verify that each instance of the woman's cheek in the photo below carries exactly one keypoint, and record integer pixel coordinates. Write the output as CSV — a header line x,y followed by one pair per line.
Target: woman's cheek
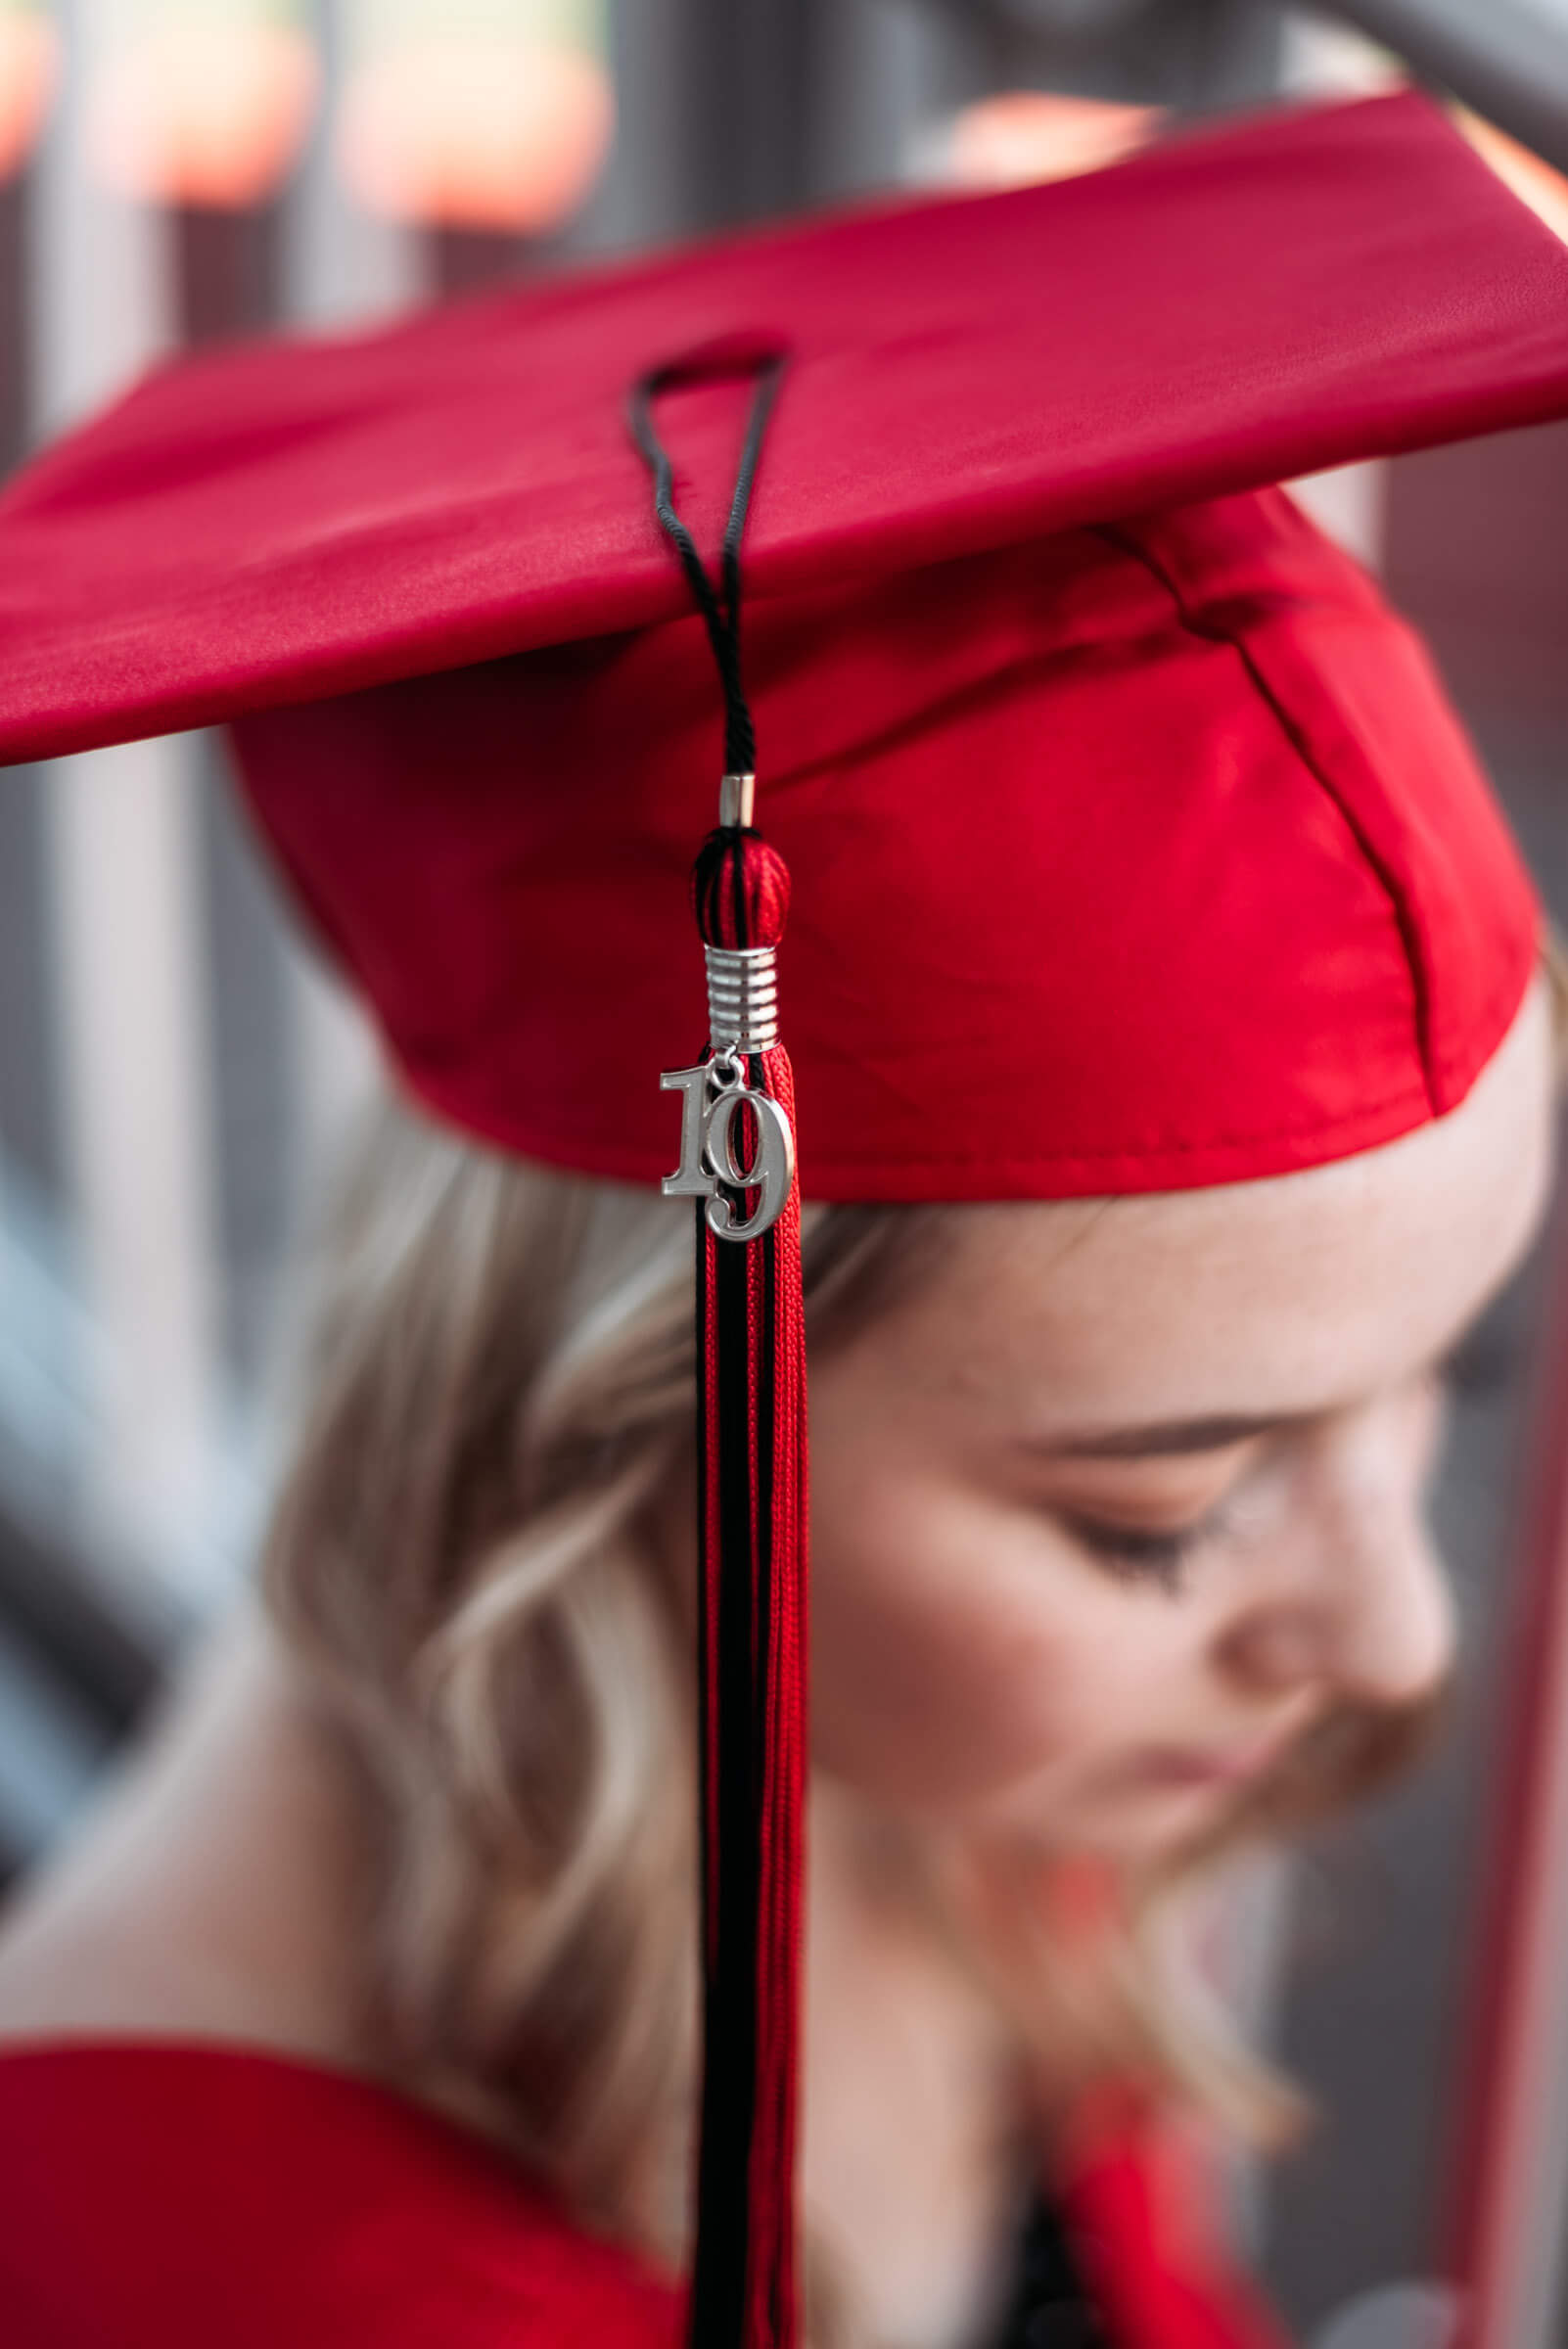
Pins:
x,y
942,1674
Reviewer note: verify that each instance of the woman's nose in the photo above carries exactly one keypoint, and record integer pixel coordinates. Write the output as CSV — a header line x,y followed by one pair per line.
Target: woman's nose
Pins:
x,y
1363,1609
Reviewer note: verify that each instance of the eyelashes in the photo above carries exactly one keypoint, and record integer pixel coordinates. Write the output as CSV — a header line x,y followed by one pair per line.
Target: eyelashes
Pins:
x,y
1136,1554
1162,1558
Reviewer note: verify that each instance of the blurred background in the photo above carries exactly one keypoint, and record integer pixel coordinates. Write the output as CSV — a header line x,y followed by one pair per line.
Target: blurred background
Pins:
x,y
174,1074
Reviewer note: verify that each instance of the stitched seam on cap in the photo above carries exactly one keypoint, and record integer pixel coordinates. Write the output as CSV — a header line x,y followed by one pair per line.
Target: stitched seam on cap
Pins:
x,y
1410,936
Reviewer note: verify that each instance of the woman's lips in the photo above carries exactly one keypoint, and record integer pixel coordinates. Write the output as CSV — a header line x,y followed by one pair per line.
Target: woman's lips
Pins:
x,y
1180,1766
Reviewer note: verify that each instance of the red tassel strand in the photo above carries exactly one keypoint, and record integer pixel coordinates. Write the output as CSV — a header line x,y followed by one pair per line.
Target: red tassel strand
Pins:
x,y
751,1581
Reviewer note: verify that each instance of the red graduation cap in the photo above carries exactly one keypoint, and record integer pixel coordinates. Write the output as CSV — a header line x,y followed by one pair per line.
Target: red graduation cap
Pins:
x,y
1133,845
954,595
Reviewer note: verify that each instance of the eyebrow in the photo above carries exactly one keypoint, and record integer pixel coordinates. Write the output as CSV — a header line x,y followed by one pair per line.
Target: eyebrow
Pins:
x,y
1170,1439
1165,1438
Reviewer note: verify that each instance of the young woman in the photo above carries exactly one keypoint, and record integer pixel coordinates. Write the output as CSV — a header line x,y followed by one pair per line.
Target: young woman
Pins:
x,y
1175,1092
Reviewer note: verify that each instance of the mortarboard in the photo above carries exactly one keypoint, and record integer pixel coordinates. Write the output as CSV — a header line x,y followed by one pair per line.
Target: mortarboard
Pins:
x,y
1133,847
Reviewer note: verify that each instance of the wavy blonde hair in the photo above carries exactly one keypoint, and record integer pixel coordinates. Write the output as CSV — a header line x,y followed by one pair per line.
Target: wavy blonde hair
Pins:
x,y
468,1558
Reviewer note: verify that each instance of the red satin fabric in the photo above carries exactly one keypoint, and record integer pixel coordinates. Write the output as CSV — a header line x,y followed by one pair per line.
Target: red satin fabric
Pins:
x,y
164,2197
1232,308
1135,860
1138,2202
187,2197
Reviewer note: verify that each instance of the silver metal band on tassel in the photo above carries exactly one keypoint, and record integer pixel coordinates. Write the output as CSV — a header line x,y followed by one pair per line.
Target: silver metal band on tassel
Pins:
x,y
741,981
742,1020
741,999
737,802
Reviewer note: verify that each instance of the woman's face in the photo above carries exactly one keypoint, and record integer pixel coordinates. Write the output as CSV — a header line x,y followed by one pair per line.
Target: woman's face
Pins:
x,y
1123,1496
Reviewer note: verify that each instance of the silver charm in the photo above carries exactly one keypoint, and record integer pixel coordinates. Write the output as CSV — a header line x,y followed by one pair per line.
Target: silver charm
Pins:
x,y
713,1097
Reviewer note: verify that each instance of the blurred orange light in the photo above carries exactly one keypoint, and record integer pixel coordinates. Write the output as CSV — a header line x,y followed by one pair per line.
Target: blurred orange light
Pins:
x,y
29,61
482,133
1534,182
201,113
1022,137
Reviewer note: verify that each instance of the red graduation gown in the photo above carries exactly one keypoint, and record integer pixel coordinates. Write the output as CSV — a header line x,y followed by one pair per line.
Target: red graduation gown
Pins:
x,y
158,2195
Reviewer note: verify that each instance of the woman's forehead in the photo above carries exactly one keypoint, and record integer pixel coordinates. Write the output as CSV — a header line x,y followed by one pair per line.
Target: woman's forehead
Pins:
x,y
1290,1295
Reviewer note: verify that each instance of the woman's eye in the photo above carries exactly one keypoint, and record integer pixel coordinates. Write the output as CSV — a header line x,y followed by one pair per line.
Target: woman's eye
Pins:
x,y
1136,1553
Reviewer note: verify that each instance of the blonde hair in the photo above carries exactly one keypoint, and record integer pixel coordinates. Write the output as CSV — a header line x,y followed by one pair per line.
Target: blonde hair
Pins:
x,y
468,1558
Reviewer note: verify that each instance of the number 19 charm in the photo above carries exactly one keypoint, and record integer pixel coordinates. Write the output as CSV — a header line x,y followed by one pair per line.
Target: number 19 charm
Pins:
x,y
713,1098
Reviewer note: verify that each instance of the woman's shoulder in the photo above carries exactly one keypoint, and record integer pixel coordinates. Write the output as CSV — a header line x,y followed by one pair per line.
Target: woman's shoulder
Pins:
x,y
161,2194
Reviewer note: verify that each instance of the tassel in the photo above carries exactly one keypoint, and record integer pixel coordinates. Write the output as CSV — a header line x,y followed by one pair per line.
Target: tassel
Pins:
x,y
737,1161
752,1587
